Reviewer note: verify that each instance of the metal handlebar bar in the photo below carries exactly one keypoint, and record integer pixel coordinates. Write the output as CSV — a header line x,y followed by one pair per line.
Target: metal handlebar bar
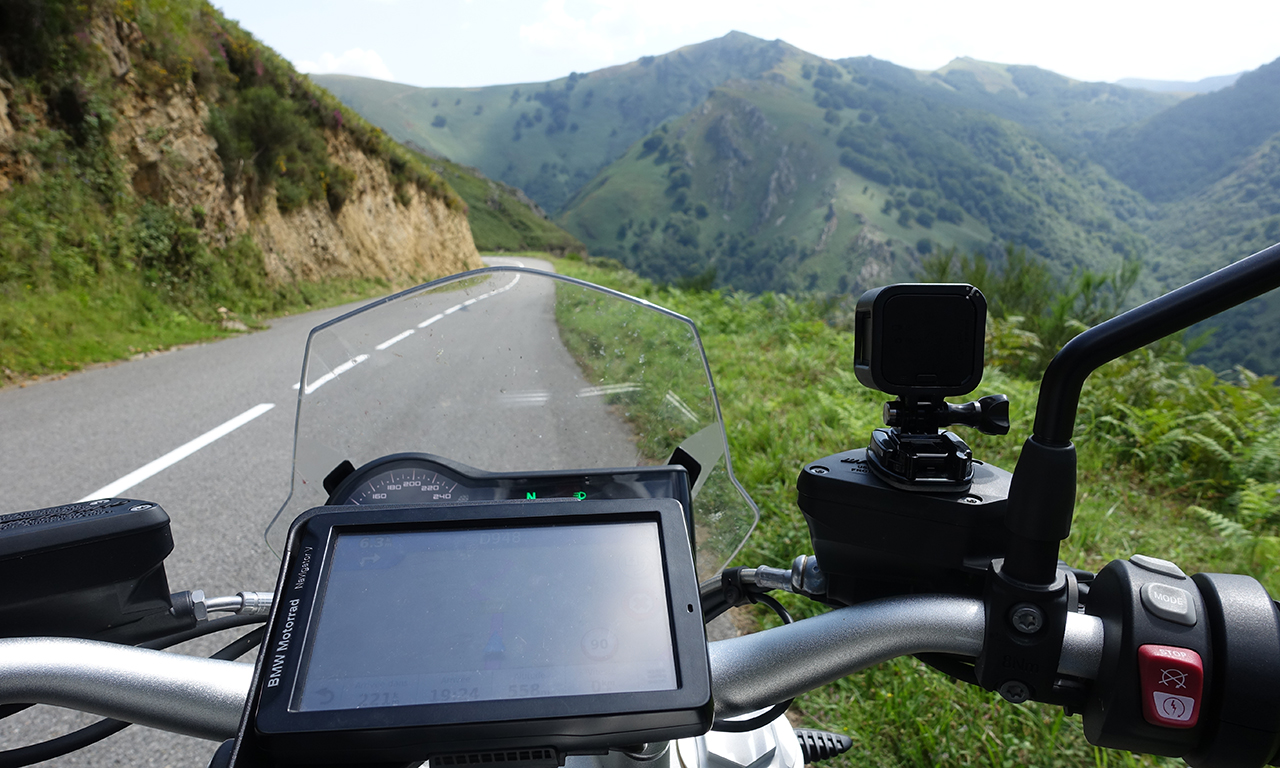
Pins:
x,y
755,671
204,697
184,694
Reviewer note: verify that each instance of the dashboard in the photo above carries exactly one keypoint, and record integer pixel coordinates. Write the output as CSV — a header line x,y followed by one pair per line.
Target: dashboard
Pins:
x,y
422,479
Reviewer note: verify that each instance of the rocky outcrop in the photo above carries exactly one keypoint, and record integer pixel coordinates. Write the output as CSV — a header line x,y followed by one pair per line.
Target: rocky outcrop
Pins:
x,y
374,235
729,134
169,156
878,257
781,182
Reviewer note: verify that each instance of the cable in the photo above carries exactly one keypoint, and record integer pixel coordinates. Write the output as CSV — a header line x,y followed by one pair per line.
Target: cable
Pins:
x,y
207,628
774,712
241,645
92,734
953,666
47,750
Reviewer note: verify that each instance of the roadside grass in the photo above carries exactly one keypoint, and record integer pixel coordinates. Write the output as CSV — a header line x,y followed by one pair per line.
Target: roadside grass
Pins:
x,y
788,394
45,332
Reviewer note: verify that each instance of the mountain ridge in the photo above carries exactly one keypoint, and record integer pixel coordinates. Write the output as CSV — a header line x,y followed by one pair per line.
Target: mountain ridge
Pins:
x,y
803,173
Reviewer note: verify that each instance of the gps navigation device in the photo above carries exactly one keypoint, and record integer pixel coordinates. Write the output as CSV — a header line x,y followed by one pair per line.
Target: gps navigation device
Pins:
x,y
510,632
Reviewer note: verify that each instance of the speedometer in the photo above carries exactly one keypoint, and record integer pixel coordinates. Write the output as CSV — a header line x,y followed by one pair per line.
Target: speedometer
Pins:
x,y
407,486
421,479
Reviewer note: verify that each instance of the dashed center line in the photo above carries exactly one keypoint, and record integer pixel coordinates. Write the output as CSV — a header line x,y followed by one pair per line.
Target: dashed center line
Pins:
x,y
394,339
335,373
178,454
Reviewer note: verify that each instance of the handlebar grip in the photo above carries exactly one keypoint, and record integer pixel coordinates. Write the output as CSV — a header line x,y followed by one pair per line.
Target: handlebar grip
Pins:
x,y
184,694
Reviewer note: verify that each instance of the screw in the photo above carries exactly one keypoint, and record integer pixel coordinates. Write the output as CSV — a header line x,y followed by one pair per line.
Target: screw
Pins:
x,y
972,500
1015,691
1026,618
819,470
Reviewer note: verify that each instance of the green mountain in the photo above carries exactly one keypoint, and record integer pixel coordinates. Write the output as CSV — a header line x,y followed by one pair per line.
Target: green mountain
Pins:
x,y
752,164
1063,113
1206,85
830,177
502,218
1184,149
550,139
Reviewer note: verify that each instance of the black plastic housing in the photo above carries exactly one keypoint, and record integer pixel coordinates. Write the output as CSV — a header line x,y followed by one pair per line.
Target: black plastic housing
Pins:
x,y
536,731
91,570
1244,711
920,339
873,540
1113,713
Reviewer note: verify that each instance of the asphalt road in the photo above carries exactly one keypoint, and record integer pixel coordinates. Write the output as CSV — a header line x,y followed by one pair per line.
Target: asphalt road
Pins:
x,y
73,438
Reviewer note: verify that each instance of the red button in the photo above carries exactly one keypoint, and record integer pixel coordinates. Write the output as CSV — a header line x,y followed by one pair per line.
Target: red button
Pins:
x,y
1172,683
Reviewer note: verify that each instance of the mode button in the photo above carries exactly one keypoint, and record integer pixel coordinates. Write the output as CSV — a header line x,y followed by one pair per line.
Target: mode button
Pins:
x,y
1169,603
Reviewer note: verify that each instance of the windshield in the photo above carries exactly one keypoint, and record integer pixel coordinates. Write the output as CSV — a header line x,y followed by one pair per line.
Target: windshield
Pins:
x,y
515,370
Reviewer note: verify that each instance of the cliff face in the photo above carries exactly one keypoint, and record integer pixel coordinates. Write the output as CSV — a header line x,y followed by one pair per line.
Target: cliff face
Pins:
x,y
373,235
170,157
383,229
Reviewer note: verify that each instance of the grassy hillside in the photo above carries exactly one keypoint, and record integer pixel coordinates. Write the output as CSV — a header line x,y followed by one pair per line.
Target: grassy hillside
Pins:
x,y
1063,113
817,177
1156,476
502,217
549,139
1235,216
98,261
1188,147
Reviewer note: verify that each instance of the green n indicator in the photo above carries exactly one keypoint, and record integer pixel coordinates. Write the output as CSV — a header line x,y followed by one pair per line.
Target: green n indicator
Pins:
x,y
531,494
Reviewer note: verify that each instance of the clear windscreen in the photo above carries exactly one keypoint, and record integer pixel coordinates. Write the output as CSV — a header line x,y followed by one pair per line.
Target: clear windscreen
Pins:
x,y
515,370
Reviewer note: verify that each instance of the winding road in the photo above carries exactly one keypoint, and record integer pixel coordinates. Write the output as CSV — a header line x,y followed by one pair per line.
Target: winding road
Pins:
x,y
207,432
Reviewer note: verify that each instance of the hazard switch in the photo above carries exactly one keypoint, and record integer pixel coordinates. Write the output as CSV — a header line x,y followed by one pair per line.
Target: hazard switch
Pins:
x,y
1172,685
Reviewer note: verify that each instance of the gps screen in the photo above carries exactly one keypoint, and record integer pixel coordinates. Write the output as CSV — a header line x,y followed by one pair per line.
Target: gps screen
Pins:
x,y
429,617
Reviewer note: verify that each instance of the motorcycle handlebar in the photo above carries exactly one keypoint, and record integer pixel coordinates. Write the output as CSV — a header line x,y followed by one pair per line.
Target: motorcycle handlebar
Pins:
x,y
184,694
205,697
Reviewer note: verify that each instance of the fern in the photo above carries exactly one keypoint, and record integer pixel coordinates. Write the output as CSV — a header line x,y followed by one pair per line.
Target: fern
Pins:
x,y
1230,530
1258,504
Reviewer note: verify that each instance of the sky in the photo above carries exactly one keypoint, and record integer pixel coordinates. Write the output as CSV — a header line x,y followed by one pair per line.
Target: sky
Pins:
x,y
490,42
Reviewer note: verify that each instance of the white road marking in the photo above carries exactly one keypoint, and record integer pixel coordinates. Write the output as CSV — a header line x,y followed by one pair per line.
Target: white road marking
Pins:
x,y
178,454
675,400
608,389
325,379
335,373
533,397
394,339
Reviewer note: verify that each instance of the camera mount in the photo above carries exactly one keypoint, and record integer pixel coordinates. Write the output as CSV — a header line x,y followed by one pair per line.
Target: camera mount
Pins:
x,y
923,342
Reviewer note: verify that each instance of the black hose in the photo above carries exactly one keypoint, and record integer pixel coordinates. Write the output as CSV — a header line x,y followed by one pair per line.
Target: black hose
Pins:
x,y
774,712
47,750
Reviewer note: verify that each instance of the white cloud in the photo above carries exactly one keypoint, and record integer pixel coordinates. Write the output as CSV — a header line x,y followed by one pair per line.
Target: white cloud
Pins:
x,y
355,61
557,29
